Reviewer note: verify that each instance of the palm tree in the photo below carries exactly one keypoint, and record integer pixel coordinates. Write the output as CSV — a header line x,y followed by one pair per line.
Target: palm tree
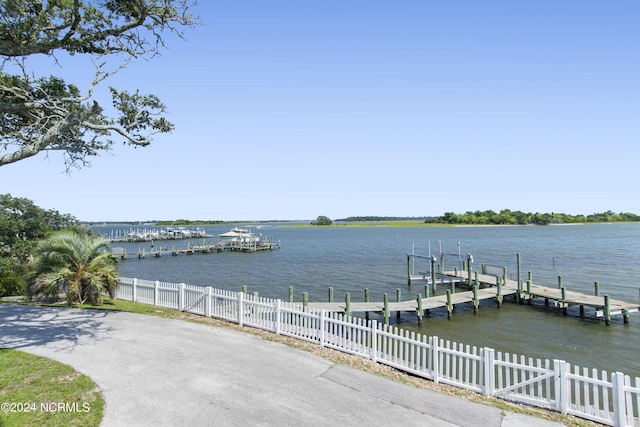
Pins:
x,y
78,264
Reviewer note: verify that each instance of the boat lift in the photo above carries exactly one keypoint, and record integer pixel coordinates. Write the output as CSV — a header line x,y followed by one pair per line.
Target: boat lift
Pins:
x,y
434,271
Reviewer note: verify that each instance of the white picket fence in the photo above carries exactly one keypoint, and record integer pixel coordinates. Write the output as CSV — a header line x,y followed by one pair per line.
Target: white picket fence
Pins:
x,y
612,399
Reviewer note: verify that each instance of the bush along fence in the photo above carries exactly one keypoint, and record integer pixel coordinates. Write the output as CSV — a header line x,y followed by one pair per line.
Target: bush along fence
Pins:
x,y
612,399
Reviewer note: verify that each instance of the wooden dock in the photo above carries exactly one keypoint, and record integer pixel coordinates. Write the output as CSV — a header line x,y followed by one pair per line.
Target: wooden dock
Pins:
x,y
448,300
203,248
484,287
562,298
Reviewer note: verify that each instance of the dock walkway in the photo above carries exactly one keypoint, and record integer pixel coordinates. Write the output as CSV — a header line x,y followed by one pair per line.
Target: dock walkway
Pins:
x,y
485,287
203,248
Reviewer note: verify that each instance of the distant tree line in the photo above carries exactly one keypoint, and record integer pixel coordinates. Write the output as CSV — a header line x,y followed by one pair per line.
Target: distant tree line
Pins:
x,y
508,217
383,218
198,222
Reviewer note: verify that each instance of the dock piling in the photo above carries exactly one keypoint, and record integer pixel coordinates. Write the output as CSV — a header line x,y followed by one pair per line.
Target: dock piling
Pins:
x,y
519,273
366,299
433,273
476,303
408,270
386,309
347,304
426,295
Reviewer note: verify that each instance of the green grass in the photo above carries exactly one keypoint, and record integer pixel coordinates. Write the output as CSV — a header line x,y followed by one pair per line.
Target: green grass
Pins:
x,y
36,391
130,307
368,224
35,386
107,304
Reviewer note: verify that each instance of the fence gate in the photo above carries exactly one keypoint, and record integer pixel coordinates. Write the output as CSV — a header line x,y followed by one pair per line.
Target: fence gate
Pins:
x,y
193,299
525,380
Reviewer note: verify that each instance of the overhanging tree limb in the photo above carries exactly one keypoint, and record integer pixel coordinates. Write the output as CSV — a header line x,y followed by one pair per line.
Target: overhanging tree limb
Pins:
x,y
41,114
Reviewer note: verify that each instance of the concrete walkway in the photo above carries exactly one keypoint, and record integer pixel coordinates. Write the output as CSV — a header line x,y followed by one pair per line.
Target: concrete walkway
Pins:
x,y
164,372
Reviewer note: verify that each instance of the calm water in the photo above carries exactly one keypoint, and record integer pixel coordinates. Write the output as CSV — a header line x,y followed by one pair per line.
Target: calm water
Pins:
x,y
352,259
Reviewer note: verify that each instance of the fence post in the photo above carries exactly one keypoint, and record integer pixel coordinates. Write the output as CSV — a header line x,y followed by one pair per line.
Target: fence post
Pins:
x,y
181,297
207,302
134,292
373,347
278,314
619,408
156,292
488,366
322,328
240,309
435,358
561,386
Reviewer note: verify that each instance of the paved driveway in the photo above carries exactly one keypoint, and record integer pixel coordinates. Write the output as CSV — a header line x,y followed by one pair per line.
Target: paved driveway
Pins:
x,y
156,372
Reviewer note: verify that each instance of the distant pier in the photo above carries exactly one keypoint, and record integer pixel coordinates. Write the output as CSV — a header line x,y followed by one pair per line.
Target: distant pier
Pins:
x,y
203,248
150,234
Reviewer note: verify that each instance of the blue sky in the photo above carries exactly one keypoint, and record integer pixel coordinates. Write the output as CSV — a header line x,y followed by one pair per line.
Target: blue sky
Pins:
x,y
290,110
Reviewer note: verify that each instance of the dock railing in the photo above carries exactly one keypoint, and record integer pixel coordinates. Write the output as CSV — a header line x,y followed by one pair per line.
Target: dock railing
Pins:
x,y
611,399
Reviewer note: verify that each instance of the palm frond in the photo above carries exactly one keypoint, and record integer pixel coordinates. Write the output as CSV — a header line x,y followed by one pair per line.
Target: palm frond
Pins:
x,y
77,261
